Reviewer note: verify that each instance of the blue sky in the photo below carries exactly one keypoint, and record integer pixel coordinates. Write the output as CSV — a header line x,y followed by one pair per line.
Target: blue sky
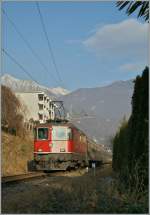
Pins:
x,y
93,43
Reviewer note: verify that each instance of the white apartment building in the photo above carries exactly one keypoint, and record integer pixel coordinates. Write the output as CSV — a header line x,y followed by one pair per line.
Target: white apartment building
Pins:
x,y
37,106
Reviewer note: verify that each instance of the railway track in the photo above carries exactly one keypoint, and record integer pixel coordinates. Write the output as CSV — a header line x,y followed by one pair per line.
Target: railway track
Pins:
x,y
36,175
28,176
22,177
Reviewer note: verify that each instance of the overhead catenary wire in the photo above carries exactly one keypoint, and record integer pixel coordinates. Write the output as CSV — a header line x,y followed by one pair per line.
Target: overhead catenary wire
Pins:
x,y
19,65
48,42
29,46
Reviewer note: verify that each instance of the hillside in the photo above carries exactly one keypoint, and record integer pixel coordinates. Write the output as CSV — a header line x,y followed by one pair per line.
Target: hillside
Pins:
x,y
98,111
16,153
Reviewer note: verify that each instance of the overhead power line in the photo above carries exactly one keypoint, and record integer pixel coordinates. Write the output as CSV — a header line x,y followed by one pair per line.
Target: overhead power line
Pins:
x,y
48,42
19,65
29,46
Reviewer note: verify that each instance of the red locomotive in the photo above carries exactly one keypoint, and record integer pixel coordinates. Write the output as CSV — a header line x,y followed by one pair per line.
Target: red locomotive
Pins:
x,y
59,146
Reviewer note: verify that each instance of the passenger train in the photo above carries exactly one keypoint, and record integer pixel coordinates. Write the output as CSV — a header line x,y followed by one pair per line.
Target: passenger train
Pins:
x,y
62,146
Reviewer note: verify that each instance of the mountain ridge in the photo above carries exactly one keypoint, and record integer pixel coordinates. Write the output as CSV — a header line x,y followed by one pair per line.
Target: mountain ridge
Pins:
x,y
99,111
18,85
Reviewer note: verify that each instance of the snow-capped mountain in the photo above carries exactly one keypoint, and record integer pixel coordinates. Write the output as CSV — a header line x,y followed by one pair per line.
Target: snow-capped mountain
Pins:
x,y
18,85
59,91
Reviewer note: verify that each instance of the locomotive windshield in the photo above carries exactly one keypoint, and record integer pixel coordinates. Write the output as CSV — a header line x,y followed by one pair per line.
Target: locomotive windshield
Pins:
x,y
61,133
42,133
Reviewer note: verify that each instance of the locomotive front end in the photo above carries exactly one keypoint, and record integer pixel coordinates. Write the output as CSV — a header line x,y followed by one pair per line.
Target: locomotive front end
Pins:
x,y
52,147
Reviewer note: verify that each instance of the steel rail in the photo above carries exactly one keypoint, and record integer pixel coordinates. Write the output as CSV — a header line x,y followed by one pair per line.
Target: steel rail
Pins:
x,y
21,177
27,176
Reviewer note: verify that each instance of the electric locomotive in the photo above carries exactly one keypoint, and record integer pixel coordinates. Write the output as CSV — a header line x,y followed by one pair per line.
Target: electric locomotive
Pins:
x,y
59,146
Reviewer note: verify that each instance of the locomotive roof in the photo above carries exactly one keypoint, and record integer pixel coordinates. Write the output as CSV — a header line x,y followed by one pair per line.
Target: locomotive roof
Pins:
x,y
63,123
52,123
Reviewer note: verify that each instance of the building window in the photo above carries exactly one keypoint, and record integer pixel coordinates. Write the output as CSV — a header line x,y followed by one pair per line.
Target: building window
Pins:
x,y
40,96
40,107
40,116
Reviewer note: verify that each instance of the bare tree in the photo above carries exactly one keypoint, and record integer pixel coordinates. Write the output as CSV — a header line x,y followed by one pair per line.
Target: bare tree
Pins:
x,y
11,112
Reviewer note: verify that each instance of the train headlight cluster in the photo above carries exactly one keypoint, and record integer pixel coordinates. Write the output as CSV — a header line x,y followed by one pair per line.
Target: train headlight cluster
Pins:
x,y
39,150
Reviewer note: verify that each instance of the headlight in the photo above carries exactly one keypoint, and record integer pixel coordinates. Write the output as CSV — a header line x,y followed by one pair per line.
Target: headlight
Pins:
x,y
39,150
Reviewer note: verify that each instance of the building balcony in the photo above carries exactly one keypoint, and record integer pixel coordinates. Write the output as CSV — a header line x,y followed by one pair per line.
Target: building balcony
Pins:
x,y
41,112
41,121
41,102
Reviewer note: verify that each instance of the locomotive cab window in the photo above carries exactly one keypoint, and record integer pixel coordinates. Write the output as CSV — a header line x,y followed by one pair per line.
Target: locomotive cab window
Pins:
x,y
42,133
61,133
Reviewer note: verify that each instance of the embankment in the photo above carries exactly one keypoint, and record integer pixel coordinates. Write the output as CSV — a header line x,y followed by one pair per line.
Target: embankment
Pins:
x,y
16,152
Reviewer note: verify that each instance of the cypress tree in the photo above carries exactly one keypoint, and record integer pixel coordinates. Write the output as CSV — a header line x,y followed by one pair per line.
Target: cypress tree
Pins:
x,y
130,148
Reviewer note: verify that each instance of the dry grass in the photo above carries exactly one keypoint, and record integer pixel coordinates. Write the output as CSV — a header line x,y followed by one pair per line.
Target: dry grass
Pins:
x,y
74,194
16,151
